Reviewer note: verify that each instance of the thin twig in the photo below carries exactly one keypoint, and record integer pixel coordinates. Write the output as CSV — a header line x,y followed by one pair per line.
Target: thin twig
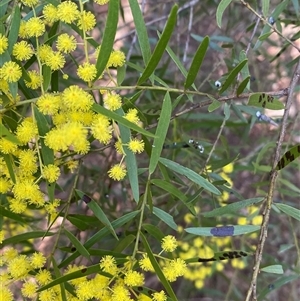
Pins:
x,y
187,43
270,25
273,178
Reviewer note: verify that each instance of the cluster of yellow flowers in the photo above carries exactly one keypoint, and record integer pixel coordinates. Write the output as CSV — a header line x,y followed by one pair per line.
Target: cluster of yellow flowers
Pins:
x,y
114,282
71,122
61,124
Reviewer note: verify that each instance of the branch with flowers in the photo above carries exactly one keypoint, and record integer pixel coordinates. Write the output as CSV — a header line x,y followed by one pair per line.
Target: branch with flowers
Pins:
x,y
91,207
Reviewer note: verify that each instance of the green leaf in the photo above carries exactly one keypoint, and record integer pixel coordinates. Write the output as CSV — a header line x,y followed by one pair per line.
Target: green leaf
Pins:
x,y
108,36
190,174
276,285
158,270
232,75
77,244
226,110
47,74
130,160
264,36
196,63
112,115
214,105
220,11
288,157
274,269
289,210
265,7
178,63
14,29
13,89
242,86
231,208
165,217
222,231
289,184
3,7
238,112
127,241
98,213
25,237
296,7
13,216
160,46
79,223
140,69
9,161
43,128
154,231
245,71
74,275
121,73
167,186
100,234
141,30
57,275
161,132
263,100
6,134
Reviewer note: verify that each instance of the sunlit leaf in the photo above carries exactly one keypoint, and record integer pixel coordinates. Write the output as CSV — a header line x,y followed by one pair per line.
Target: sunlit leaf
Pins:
x,y
289,157
273,269
263,100
220,11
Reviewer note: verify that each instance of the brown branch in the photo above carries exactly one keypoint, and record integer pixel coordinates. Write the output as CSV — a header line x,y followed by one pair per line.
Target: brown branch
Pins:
x,y
273,178
207,102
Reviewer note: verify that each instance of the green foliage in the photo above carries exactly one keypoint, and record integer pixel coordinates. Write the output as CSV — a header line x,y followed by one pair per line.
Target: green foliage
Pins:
x,y
91,193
